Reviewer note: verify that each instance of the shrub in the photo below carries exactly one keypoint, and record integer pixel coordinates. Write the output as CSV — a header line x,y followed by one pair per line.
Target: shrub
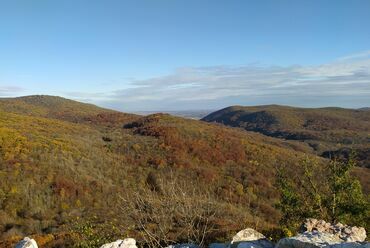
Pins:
x,y
179,212
325,192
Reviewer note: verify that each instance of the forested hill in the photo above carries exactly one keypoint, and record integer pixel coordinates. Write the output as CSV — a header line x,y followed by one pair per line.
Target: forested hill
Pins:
x,y
64,164
54,107
328,131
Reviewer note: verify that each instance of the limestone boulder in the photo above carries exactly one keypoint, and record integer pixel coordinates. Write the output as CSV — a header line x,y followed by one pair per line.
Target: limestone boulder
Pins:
x,y
250,238
126,243
344,232
27,243
318,239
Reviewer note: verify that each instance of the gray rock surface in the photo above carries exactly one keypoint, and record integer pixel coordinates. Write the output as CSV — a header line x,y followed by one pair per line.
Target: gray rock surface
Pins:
x,y
244,244
247,234
318,239
219,245
308,240
27,243
252,244
126,243
250,238
344,232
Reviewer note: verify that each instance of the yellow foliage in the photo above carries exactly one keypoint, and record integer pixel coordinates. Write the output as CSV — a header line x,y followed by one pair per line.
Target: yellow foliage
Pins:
x,y
44,239
62,193
16,173
239,189
136,147
12,144
13,190
287,232
64,206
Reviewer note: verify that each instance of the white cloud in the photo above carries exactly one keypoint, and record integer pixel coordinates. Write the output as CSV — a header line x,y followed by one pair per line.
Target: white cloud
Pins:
x,y
211,86
344,82
10,90
363,54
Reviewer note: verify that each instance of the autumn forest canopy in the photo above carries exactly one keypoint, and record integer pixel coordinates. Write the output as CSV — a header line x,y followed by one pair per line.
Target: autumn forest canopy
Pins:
x,y
70,171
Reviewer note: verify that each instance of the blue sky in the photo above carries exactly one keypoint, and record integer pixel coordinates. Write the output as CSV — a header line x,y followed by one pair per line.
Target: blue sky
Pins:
x,y
187,54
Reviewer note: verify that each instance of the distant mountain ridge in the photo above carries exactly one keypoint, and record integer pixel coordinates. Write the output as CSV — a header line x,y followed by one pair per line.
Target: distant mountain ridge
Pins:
x,y
191,114
326,130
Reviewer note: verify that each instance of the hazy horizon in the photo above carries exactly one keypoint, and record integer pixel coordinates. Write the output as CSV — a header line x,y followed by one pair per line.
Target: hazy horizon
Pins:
x,y
187,55
184,110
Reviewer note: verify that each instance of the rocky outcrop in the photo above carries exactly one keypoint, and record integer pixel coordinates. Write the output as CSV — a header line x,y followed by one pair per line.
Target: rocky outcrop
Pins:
x,y
344,232
318,234
126,243
247,238
317,239
250,238
27,243
315,234
309,240
247,234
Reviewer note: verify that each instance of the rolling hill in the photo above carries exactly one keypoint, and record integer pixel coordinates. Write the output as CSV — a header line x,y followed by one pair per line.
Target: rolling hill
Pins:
x,y
67,166
54,107
326,131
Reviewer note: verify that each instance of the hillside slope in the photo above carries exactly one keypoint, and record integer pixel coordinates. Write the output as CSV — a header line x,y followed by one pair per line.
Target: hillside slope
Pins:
x,y
62,109
328,131
58,171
